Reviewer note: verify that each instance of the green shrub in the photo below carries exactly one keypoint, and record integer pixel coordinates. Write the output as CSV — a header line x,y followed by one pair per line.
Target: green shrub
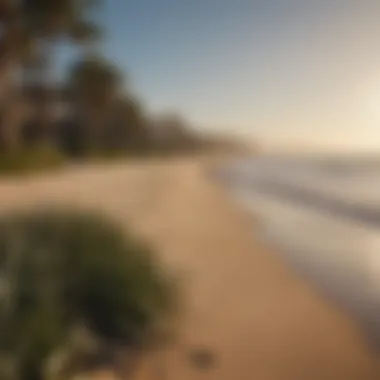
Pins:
x,y
65,268
30,160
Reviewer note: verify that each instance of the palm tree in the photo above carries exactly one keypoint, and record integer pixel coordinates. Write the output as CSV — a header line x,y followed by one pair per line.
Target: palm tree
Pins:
x,y
34,26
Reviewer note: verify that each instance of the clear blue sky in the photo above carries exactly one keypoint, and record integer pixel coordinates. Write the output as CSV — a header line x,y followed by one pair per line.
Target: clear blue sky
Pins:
x,y
277,69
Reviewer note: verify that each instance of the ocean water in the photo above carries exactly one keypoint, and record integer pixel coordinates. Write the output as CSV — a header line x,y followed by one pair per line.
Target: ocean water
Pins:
x,y
322,214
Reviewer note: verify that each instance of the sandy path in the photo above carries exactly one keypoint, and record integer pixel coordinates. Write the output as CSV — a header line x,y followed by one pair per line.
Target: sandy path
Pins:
x,y
241,302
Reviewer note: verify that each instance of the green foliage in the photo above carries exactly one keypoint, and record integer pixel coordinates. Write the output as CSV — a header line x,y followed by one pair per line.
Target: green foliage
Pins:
x,y
105,120
94,82
27,22
30,160
30,28
57,18
108,122
65,268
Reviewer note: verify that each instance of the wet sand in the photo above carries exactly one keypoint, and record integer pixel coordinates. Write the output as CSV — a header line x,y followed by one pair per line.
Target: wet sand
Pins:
x,y
241,301
324,225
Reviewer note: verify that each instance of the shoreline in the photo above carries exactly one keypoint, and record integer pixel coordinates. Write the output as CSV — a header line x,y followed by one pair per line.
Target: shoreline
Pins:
x,y
241,301
334,248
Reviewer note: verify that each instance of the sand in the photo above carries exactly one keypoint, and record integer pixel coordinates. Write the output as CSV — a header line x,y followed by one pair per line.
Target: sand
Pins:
x,y
240,301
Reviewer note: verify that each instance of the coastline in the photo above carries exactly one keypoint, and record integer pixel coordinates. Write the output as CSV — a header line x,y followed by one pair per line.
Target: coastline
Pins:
x,y
241,301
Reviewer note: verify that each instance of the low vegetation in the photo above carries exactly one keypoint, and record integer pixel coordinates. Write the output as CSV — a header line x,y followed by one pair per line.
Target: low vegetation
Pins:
x,y
31,160
62,271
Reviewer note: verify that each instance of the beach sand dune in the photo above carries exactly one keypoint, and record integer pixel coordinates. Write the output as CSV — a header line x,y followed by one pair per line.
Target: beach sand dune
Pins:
x,y
241,303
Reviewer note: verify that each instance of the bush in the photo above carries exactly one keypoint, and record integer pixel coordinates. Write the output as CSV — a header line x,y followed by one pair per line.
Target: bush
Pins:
x,y
65,268
30,160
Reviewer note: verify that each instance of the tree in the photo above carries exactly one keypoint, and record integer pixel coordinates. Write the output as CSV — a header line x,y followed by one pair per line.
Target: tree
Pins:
x,y
172,133
30,29
63,269
106,117
15,46
94,85
128,130
94,82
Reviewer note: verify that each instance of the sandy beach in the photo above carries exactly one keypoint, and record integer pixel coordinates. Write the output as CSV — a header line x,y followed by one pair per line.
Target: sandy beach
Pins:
x,y
240,301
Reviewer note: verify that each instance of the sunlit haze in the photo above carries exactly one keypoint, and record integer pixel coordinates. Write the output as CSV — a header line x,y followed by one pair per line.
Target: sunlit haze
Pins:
x,y
284,71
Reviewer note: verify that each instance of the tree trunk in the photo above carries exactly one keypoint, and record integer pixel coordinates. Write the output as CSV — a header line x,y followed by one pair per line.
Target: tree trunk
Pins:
x,y
9,64
43,99
11,110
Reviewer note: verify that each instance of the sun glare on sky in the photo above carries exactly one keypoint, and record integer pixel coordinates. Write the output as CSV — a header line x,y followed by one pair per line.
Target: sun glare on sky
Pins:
x,y
278,70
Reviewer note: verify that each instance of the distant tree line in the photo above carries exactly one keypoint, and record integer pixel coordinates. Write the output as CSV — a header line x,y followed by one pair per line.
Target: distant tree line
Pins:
x,y
92,112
